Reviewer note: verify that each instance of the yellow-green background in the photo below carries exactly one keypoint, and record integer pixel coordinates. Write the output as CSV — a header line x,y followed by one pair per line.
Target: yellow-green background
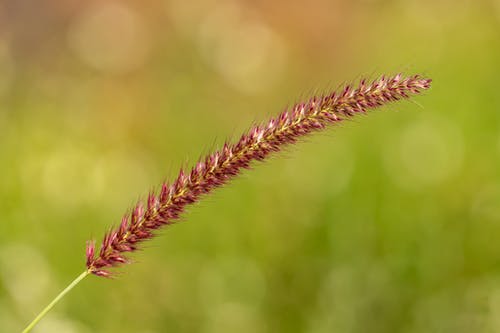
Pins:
x,y
390,223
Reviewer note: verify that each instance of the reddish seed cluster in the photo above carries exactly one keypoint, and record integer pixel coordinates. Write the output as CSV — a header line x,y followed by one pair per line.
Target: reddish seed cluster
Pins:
x,y
221,166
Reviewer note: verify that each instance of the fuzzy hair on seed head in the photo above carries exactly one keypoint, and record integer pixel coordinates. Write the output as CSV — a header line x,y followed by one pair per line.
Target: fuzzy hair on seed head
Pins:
x,y
218,168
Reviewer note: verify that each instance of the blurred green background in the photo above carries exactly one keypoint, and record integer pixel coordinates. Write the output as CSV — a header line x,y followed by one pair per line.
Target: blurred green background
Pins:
x,y
390,223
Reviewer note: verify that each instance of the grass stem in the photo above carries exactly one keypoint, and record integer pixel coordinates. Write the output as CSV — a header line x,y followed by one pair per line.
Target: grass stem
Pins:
x,y
55,300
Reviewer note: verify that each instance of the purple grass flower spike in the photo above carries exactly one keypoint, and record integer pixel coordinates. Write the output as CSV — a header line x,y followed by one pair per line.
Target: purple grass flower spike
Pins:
x,y
165,207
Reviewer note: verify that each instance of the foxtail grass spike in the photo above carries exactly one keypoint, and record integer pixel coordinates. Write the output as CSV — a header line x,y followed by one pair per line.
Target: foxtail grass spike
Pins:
x,y
166,206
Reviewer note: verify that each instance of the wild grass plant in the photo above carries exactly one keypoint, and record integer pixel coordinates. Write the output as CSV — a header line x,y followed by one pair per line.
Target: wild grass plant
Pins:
x,y
166,205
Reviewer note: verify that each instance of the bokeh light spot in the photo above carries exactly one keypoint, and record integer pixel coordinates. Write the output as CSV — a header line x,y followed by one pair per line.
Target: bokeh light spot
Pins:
x,y
110,37
245,51
68,169
19,263
426,153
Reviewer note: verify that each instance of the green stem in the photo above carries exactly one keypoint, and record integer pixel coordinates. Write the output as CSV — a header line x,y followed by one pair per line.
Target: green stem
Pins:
x,y
55,300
